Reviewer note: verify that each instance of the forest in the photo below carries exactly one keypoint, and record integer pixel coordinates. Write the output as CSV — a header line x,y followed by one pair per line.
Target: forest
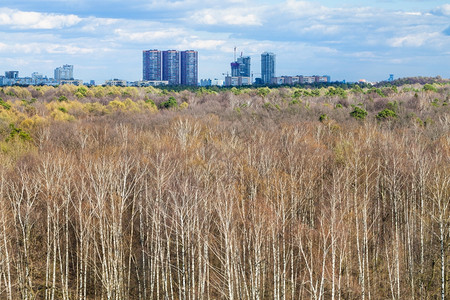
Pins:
x,y
252,193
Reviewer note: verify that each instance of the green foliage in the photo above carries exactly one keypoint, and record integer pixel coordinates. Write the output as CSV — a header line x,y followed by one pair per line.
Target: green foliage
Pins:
x,y
297,94
323,118
235,91
62,98
17,132
429,88
171,103
357,89
5,105
358,113
377,91
336,92
64,110
338,105
295,102
81,92
386,114
150,101
26,102
263,92
435,102
316,93
392,105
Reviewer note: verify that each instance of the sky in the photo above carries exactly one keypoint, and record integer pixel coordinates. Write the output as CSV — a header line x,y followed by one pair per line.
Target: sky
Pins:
x,y
347,40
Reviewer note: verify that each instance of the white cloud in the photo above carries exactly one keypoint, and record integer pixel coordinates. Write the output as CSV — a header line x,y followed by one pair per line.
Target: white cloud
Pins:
x,y
149,36
443,10
34,20
232,16
202,44
413,40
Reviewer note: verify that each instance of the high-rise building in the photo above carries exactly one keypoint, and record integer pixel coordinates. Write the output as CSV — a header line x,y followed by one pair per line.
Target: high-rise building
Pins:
x,y
189,67
171,66
151,65
267,67
241,67
244,66
64,73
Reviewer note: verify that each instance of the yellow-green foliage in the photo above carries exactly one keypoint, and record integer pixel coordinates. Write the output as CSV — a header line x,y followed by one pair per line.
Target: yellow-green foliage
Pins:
x,y
184,105
31,123
147,106
130,92
98,91
94,108
116,105
130,105
67,90
17,91
59,115
113,90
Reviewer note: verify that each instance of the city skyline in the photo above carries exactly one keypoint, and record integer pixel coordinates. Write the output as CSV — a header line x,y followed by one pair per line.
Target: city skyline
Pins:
x,y
348,40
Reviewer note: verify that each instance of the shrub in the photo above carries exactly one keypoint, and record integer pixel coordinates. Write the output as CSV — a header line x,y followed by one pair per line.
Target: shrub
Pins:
x,y
392,105
323,118
429,88
17,132
172,102
4,104
358,113
386,114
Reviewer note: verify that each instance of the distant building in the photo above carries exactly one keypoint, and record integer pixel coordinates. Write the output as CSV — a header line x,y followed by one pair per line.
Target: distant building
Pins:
x,y
291,80
267,67
189,67
206,82
71,82
211,82
241,67
151,83
151,65
171,66
64,73
391,77
116,82
237,80
12,74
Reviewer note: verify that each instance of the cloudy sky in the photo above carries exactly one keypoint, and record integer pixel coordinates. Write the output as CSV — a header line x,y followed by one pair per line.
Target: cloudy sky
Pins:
x,y
351,40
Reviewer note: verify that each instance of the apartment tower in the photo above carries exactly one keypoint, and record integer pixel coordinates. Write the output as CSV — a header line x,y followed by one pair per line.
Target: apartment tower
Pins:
x,y
151,65
267,67
189,67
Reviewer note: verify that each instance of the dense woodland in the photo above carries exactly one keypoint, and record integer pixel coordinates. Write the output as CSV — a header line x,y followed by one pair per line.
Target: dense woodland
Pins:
x,y
288,193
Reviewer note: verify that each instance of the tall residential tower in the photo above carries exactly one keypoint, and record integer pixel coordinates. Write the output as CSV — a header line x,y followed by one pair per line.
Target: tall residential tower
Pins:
x,y
151,65
267,67
189,67
171,66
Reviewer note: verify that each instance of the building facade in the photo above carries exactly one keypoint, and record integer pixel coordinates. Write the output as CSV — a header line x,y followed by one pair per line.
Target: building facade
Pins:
x,y
64,73
267,67
12,74
241,67
171,66
189,67
151,65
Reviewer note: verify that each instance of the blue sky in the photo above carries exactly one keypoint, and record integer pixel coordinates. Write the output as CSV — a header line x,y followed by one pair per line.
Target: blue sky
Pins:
x,y
349,40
